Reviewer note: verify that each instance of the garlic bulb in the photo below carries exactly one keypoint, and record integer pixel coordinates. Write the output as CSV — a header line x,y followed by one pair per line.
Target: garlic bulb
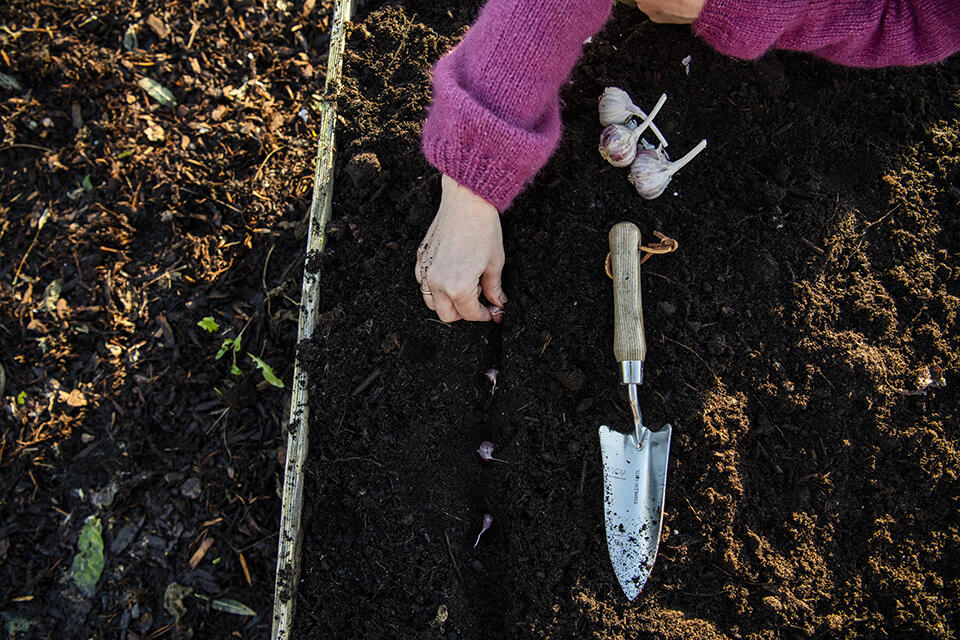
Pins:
x,y
616,107
618,142
652,170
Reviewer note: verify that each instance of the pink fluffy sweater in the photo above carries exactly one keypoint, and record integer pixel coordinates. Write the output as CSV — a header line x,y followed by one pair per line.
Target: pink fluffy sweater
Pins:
x,y
495,116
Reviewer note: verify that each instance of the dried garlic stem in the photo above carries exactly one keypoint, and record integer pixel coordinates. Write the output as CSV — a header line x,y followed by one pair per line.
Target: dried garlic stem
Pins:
x,y
682,162
648,120
653,127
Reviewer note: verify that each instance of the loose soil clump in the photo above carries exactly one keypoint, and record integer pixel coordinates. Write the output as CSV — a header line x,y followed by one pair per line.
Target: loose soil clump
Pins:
x,y
796,344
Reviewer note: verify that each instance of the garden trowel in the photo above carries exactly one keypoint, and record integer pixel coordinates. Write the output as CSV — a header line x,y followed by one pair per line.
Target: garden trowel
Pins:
x,y
635,463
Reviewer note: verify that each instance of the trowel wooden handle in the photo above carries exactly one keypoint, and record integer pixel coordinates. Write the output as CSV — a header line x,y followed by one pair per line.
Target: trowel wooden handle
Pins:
x,y
628,342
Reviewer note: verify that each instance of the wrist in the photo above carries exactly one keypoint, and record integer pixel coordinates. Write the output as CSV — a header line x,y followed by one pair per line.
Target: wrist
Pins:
x,y
465,199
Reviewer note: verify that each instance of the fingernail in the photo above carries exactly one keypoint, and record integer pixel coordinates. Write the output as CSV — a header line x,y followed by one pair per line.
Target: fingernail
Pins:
x,y
503,298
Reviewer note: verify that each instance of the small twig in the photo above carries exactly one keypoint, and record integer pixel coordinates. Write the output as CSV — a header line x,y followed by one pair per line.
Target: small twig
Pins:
x,y
222,414
40,224
545,345
452,559
263,277
165,274
366,383
262,164
812,246
690,504
20,145
881,218
266,263
260,541
695,354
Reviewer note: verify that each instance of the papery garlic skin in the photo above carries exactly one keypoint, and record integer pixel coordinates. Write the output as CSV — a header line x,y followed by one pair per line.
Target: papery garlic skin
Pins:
x,y
650,173
615,107
618,144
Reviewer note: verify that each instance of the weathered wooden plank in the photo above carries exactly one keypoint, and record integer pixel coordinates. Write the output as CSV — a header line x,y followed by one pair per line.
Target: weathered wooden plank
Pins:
x,y
288,549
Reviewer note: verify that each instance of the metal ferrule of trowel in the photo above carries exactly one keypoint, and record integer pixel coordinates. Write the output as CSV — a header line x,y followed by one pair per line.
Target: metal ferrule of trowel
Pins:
x,y
634,464
631,374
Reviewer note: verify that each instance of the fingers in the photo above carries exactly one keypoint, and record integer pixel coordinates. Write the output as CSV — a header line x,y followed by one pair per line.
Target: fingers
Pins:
x,y
492,290
671,11
451,305
465,306
428,300
444,307
468,307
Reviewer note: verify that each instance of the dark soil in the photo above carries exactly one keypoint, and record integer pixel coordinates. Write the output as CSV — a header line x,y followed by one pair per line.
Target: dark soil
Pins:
x,y
813,482
113,402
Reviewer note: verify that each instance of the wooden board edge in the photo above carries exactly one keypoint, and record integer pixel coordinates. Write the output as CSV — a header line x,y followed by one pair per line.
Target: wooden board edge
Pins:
x,y
298,430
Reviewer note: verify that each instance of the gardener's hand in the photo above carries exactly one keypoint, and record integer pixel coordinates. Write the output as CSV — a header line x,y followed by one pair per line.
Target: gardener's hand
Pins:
x,y
671,11
461,257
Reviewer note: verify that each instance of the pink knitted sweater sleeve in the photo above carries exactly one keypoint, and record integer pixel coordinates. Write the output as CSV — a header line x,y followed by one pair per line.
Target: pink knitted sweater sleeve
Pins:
x,y
495,116
857,33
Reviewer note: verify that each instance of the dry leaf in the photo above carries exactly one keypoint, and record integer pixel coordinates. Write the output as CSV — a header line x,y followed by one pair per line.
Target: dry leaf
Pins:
x,y
173,597
246,570
200,552
158,27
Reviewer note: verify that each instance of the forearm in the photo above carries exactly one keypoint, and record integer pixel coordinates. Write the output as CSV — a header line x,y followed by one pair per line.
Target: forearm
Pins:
x,y
860,33
495,120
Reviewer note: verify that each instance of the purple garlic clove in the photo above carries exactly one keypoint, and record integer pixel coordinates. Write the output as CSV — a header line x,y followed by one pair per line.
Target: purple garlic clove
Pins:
x,y
652,170
491,376
650,173
485,451
618,144
487,521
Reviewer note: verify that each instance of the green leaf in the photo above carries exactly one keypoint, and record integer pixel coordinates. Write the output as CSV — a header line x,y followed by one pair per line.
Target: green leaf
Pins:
x,y
209,324
232,606
21,397
224,347
88,563
87,183
9,82
267,371
235,370
158,92
125,154
215,561
236,343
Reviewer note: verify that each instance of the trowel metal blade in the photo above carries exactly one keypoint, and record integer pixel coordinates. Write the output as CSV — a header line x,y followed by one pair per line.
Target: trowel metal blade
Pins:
x,y
634,484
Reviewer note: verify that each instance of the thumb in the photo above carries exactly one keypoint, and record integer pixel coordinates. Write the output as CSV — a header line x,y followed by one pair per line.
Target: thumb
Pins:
x,y
492,290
